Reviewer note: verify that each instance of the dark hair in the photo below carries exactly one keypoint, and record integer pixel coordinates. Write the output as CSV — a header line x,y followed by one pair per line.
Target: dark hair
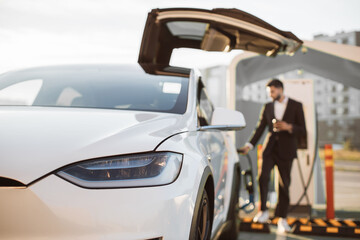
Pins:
x,y
275,83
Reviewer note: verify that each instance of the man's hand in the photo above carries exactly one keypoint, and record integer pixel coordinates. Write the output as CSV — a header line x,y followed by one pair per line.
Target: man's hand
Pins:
x,y
244,150
283,126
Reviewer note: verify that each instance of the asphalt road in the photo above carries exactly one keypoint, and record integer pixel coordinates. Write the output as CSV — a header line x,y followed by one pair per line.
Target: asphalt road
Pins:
x,y
274,236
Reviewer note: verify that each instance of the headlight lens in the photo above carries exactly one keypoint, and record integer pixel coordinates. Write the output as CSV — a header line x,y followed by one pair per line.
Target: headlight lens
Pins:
x,y
138,170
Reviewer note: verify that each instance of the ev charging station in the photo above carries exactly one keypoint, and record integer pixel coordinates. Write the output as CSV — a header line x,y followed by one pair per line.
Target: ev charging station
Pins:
x,y
330,60
301,187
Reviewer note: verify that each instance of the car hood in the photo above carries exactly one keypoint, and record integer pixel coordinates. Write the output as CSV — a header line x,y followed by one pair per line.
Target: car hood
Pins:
x,y
35,141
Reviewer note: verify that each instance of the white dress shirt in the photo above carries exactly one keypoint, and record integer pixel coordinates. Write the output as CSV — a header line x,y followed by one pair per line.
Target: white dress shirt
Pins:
x,y
279,111
279,108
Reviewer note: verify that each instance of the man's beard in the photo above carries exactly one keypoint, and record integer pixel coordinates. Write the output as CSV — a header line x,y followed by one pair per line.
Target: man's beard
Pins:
x,y
277,98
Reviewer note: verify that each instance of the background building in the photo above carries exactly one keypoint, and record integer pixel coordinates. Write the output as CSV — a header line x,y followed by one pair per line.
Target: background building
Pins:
x,y
349,38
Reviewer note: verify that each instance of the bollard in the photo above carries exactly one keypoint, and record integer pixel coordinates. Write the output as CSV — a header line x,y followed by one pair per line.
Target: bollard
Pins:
x,y
329,171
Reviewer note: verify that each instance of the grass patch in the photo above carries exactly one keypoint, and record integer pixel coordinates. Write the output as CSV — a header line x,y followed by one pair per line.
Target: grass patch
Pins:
x,y
348,155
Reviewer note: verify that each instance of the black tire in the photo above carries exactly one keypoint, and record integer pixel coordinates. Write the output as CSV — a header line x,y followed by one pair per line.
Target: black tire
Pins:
x,y
232,229
203,222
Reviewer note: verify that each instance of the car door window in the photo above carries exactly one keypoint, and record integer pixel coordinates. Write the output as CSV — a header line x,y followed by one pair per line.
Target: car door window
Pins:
x,y
204,106
209,30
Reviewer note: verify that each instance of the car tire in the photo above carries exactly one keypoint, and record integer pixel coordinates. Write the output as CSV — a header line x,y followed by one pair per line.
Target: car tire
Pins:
x,y
232,229
203,225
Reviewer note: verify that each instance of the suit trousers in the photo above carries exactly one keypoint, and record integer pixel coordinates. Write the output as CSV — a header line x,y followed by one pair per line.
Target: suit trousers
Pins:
x,y
270,159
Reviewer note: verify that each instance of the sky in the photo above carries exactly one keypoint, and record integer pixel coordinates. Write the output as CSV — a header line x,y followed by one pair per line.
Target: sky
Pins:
x,y
48,32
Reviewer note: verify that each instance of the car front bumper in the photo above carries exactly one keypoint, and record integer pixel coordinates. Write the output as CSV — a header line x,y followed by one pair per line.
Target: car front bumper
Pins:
x,y
54,208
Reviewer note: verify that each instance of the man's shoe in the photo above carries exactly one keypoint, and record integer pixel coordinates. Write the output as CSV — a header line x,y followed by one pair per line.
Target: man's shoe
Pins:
x,y
261,217
283,226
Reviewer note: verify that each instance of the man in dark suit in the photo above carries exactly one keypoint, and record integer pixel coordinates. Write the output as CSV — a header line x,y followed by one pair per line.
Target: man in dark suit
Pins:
x,y
284,118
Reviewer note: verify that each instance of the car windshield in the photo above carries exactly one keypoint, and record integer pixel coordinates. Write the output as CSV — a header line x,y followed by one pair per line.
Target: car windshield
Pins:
x,y
109,87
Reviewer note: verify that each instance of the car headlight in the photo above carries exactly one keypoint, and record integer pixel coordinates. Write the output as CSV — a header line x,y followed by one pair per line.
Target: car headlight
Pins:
x,y
137,170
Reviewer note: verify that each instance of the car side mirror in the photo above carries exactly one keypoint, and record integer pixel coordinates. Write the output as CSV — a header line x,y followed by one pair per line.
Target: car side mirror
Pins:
x,y
226,120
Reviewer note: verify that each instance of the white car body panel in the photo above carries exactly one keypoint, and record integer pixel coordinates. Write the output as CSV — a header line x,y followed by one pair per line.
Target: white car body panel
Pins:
x,y
56,209
199,141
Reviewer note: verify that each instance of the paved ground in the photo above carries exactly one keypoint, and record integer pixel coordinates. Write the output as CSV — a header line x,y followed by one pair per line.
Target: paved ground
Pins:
x,y
274,236
347,203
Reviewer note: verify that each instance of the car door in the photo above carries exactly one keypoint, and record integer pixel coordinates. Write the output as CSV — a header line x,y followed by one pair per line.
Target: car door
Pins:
x,y
210,30
213,144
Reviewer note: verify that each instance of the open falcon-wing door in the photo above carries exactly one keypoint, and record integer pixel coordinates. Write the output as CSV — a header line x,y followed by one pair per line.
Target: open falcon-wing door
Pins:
x,y
210,30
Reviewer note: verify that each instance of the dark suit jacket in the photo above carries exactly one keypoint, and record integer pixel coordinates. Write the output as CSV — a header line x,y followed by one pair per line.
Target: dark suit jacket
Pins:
x,y
287,142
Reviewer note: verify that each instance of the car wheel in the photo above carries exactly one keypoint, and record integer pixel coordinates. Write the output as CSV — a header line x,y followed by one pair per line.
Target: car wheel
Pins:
x,y
203,221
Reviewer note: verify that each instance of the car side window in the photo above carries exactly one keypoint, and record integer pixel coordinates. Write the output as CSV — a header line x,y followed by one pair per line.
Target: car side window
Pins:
x,y
204,106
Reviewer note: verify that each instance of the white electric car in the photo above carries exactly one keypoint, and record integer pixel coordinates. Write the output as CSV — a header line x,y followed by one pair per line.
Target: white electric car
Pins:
x,y
124,152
